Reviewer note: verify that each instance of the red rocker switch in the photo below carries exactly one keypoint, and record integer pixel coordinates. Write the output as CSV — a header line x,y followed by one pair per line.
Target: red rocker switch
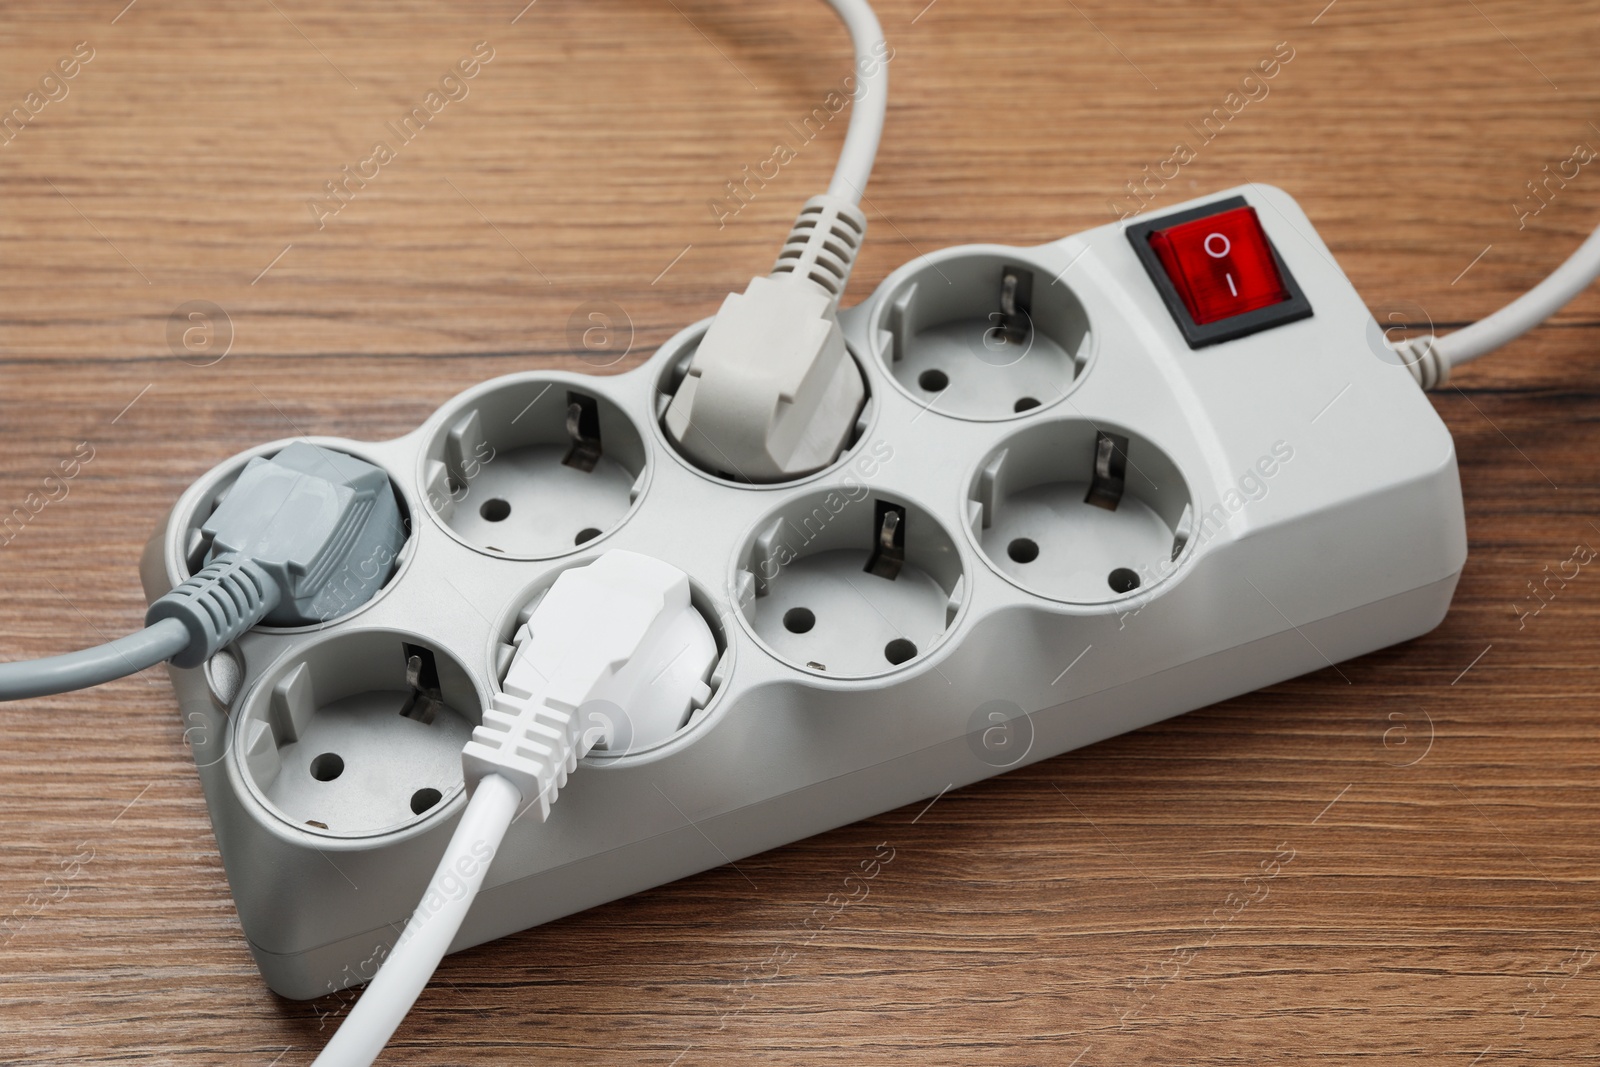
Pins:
x,y
1218,272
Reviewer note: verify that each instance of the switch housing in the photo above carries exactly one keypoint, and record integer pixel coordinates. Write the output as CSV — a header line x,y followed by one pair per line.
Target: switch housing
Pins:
x,y
1189,267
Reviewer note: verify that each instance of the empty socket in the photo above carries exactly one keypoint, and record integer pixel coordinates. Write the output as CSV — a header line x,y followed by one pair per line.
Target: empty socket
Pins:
x,y
982,335
850,584
532,468
1080,513
680,353
358,734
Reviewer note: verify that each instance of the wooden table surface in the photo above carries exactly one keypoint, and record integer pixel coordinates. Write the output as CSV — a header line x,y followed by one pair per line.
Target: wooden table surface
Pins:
x,y
1435,807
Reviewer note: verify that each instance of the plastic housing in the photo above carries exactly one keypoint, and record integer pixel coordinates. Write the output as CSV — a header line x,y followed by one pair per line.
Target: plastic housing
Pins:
x,y
1283,501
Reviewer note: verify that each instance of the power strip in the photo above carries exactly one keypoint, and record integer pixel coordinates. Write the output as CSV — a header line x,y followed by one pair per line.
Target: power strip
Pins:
x,y
1071,507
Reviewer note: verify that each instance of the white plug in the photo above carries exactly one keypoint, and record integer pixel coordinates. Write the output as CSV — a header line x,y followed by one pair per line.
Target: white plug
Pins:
x,y
772,393
621,627
614,655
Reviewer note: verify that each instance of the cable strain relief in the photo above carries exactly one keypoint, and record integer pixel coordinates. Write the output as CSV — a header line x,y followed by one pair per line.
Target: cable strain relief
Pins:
x,y
532,744
1421,356
218,604
823,244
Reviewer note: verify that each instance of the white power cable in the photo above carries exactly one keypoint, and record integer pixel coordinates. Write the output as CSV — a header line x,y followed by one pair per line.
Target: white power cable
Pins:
x,y
772,393
433,926
1430,359
620,629
1528,310
871,99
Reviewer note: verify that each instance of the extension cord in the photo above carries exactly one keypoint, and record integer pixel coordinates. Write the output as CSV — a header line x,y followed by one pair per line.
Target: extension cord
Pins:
x,y
1057,520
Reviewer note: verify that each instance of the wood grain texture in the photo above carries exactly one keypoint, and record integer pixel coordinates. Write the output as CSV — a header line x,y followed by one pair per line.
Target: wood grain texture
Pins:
x,y
1443,903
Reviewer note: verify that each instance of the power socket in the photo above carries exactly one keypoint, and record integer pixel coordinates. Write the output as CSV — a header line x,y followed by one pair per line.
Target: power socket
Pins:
x,y
1059,518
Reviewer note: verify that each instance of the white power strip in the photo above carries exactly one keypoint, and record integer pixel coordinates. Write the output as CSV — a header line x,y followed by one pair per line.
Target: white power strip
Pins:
x,y
1069,509
803,566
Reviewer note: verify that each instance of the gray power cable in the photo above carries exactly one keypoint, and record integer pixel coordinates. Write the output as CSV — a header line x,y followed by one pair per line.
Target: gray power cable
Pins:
x,y
94,666
302,537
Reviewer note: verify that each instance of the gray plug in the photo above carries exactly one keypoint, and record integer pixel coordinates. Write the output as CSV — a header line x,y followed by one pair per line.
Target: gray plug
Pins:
x,y
303,537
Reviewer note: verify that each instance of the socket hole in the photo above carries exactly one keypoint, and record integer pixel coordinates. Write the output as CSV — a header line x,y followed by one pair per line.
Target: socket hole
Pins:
x,y
327,767
883,577
1027,403
990,319
588,533
899,650
516,467
799,620
1081,513
1026,550
423,799
344,730
1123,580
